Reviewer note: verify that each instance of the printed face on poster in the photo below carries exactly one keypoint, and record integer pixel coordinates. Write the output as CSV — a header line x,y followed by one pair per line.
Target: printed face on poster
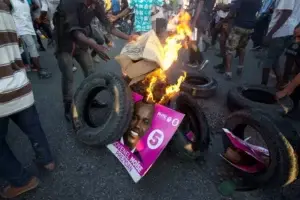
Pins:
x,y
151,128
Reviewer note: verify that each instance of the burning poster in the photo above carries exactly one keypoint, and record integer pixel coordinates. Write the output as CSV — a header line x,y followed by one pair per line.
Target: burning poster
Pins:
x,y
151,128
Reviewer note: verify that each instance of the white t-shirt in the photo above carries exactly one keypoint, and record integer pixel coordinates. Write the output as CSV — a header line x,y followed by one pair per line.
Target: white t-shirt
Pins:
x,y
289,26
22,17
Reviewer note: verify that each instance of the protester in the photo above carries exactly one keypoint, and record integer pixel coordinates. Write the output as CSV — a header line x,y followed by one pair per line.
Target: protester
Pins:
x,y
292,61
72,41
17,104
142,11
40,18
262,23
22,17
220,26
244,14
285,18
195,55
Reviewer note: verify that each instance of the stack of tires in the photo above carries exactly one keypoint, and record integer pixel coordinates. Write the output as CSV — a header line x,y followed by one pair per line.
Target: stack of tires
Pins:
x,y
256,107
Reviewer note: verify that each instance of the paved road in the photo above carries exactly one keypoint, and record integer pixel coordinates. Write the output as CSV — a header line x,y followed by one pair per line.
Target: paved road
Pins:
x,y
90,173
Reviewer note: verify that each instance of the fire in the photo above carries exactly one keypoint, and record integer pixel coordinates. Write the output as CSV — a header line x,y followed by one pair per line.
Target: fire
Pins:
x,y
173,44
154,81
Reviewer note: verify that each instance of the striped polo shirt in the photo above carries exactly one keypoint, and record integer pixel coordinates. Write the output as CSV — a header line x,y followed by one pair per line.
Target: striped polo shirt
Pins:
x,y
15,88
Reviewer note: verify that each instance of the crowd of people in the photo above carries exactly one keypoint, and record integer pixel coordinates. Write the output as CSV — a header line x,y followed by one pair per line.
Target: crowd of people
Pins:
x,y
72,26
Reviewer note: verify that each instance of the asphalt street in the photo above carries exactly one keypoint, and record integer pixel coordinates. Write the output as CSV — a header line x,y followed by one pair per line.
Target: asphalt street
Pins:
x,y
85,173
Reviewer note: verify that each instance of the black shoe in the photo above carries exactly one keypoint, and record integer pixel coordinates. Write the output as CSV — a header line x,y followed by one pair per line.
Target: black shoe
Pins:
x,y
41,48
44,74
220,68
50,43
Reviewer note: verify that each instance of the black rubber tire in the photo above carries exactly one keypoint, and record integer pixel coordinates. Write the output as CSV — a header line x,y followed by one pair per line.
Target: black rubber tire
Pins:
x,y
185,104
238,98
199,86
117,121
276,138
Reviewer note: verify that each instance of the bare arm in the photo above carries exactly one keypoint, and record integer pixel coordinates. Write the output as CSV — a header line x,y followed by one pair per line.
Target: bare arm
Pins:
x,y
123,13
296,81
84,40
120,34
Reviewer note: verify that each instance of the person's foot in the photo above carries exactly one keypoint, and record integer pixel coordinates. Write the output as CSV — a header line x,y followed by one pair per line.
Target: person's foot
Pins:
x,y
44,74
228,76
50,43
33,69
96,59
28,68
220,68
41,48
272,74
219,54
239,70
256,48
50,167
74,69
10,191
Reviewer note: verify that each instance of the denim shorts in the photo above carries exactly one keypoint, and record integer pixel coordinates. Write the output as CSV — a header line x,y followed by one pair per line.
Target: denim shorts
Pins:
x,y
30,44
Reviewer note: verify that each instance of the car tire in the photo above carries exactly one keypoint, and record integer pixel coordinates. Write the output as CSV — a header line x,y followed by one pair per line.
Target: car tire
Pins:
x,y
284,167
116,122
199,86
194,115
257,97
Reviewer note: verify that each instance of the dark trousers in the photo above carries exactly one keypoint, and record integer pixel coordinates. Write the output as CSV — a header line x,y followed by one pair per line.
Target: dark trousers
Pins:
x,y
260,30
195,56
28,121
65,63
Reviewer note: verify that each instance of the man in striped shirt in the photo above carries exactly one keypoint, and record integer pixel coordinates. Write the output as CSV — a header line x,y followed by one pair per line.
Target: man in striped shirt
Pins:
x,y
17,104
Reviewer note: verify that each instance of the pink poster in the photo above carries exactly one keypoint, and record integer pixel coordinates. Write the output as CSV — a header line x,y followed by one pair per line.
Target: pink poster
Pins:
x,y
151,129
258,153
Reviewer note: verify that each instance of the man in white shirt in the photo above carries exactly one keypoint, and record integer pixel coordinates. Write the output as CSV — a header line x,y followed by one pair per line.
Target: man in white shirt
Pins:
x,y
22,17
285,18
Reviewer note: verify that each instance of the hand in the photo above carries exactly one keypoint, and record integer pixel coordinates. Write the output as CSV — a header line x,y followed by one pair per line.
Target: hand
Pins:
x,y
285,92
112,18
133,37
101,51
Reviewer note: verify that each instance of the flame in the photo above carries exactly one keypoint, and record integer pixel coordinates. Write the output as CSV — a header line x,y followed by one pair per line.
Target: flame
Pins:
x,y
173,44
172,90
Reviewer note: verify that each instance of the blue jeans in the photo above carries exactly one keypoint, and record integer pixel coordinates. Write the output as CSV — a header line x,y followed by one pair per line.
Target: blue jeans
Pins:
x,y
28,121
